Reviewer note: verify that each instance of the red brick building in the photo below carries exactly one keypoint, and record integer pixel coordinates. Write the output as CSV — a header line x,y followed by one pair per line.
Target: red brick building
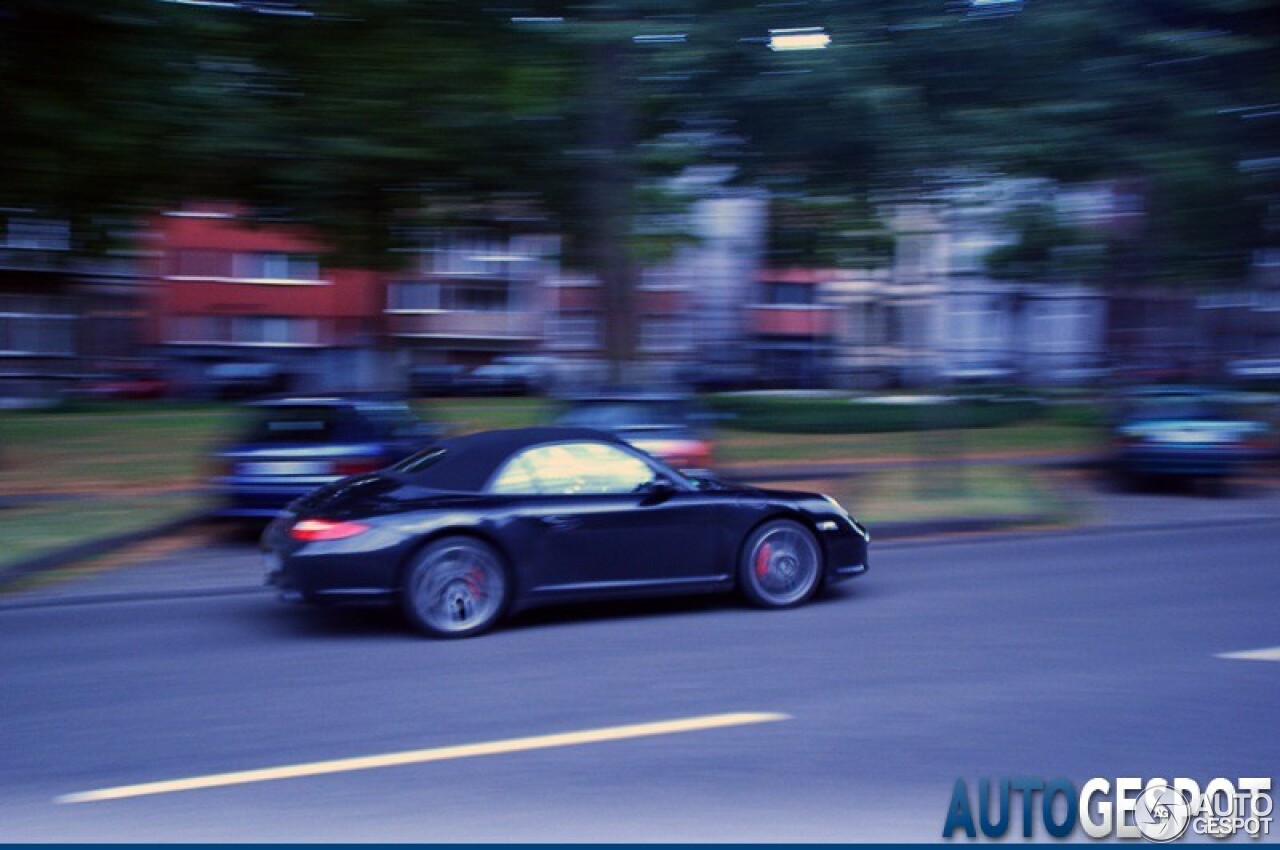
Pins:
x,y
792,328
229,291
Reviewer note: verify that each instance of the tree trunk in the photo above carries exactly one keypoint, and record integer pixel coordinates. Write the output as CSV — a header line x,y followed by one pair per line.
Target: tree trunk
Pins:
x,y
610,139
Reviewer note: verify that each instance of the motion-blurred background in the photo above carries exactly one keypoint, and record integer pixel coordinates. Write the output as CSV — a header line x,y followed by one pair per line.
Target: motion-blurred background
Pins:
x,y
858,232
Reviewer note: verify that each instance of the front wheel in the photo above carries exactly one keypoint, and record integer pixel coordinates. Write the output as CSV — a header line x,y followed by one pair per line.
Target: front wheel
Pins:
x,y
781,565
457,587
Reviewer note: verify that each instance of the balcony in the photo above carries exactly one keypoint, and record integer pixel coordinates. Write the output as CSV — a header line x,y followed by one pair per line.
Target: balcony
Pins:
x,y
466,325
792,320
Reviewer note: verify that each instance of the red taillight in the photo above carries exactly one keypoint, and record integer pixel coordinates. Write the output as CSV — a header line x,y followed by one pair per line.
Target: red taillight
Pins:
x,y
356,466
325,529
695,456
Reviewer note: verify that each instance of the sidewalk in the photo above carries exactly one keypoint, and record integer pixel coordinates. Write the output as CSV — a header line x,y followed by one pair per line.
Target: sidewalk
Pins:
x,y
196,562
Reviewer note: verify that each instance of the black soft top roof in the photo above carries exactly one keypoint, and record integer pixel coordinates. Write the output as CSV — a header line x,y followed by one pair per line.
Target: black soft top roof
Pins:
x,y
468,463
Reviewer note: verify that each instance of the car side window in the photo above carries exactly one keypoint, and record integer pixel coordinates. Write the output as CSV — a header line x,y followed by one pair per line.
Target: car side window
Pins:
x,y
565,469
516,478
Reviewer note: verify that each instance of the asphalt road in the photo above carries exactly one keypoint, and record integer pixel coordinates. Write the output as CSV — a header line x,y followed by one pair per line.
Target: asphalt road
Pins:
x,y
1074,654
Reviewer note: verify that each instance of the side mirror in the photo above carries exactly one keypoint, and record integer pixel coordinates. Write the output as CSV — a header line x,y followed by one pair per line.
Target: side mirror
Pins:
x,y
662,484
702,479
658,488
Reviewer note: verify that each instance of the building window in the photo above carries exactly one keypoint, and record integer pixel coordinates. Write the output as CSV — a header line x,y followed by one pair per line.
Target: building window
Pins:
x,y
245,330
275,266
791,294
413,295
475,299
196,262
463,256
664,333
576,331
37,234
29,326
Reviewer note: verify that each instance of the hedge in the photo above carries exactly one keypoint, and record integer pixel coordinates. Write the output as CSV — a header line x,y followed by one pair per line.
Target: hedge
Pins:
x,y
846,416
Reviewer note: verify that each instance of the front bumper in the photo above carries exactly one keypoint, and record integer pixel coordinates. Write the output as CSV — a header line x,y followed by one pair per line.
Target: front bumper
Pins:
x,y
847,550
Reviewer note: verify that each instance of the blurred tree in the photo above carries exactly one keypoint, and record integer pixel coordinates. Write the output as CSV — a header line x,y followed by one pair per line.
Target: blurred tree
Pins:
x,y
86,94
356,115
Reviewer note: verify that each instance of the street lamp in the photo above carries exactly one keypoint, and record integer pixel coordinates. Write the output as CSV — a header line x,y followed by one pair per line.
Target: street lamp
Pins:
x,y
801,38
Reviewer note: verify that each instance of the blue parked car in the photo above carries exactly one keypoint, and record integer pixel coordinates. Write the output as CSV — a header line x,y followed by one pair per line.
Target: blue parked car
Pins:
x,y
288,447
1185,432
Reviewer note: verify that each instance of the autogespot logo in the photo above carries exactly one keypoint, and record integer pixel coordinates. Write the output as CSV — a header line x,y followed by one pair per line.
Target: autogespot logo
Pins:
x,y
1157,810
1162,812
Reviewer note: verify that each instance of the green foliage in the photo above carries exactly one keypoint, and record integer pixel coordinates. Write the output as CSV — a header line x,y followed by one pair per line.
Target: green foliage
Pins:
x,y
356,117
1043,243
827,231
840,415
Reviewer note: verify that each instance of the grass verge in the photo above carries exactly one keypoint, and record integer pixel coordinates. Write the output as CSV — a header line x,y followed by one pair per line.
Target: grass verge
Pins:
x,y
133,467
908,495
35,529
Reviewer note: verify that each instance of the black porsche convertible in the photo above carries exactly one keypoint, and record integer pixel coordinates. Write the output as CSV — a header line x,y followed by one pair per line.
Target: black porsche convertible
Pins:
x,y
478,526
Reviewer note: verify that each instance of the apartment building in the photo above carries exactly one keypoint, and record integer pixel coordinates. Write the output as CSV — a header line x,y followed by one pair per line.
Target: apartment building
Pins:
x,y
469,297
229,290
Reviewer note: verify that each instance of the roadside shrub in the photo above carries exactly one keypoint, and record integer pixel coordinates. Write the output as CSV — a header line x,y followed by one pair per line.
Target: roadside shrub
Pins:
x,y
819,415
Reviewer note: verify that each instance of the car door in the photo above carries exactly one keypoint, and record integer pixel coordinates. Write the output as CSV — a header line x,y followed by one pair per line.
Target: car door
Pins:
x,y
599,520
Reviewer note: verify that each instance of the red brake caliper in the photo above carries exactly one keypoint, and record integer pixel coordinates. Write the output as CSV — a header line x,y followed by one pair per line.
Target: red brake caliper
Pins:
x,y
762,560
475,582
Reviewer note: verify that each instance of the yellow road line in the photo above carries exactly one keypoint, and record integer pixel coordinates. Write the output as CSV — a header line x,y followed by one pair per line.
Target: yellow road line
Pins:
x,y
488,748
1269,654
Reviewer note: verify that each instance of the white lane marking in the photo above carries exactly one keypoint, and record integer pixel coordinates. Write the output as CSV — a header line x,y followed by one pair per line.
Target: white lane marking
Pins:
x,y
460,751
1271,653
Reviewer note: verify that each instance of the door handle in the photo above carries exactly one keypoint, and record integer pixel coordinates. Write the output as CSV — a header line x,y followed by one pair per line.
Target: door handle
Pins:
x,y
561,523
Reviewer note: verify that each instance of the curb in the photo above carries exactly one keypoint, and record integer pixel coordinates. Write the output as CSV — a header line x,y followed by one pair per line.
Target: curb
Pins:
x,y
93,548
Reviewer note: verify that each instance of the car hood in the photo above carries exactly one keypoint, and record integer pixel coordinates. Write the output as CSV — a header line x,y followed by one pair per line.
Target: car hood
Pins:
x,y
783,495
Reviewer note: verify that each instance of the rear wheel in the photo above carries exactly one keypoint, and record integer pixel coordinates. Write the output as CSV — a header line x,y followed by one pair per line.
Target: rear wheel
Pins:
x,y
781,565
457,587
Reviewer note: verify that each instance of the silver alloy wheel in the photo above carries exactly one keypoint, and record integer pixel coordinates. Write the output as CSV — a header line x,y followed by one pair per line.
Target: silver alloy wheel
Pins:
x,y
458,587
784,564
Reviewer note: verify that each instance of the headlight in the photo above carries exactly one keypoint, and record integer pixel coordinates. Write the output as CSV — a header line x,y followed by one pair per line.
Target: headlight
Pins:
x,y
839,507
858,528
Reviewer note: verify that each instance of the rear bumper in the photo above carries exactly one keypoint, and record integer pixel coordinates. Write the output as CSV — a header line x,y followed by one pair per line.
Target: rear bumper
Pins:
x,y
360,569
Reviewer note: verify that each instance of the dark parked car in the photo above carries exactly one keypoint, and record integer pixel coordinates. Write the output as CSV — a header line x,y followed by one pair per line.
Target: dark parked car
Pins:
x,y
243,380
128,384
439,380
289,447
509,375
1184,432
671,427
481,525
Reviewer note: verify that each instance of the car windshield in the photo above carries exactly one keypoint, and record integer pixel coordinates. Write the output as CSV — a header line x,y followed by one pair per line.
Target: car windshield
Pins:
x,y
611,415
304,424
